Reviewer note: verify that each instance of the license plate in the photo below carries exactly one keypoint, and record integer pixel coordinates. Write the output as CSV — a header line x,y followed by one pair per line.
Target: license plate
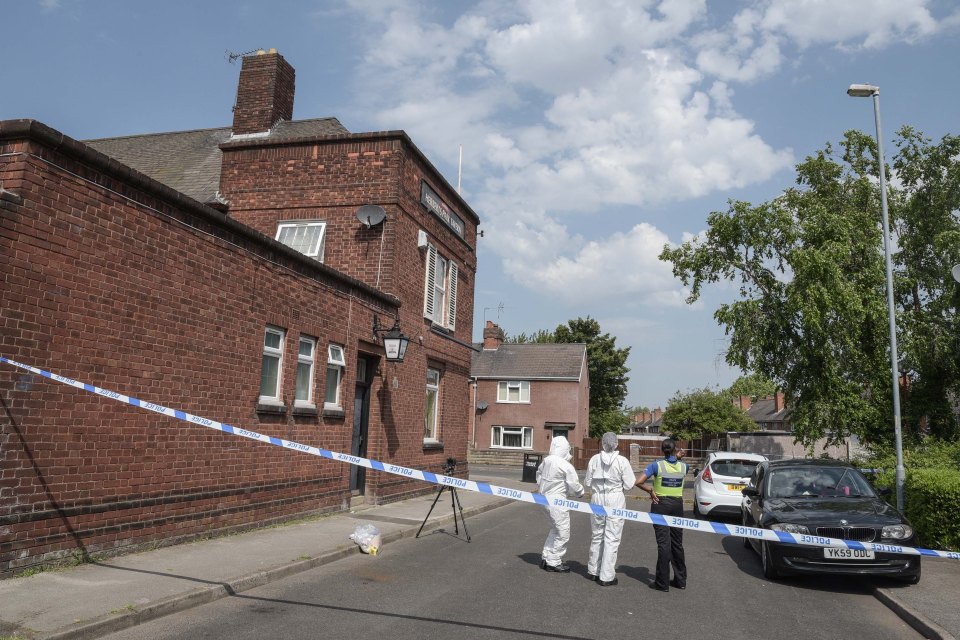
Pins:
x,y
831,553
735,487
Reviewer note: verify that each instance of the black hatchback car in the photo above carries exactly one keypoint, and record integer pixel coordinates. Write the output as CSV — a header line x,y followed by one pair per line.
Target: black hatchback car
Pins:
x,y
830,499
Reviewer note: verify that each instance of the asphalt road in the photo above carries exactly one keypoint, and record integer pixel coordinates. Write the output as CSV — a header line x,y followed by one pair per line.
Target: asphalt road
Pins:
x,y
440,586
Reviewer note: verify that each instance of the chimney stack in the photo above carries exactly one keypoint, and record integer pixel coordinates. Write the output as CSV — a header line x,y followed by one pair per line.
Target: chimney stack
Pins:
x,y
778,402
492,336
744,402
264,93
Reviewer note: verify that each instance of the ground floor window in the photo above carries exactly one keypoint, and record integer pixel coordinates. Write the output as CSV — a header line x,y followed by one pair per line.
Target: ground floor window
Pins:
x,y
431,415
512,438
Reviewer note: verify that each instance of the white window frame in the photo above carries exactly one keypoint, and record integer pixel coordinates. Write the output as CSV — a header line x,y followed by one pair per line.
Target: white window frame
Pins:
x,y
504,387
310,361
277,353
440,289
431,424
498,431
315,250
336,364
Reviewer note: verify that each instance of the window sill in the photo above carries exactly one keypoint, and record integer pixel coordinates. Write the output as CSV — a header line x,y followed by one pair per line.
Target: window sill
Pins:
x,y
305,410
333,412
272,408
432,444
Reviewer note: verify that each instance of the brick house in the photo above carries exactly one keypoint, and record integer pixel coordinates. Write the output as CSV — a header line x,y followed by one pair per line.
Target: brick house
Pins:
x,y
227,273
645,422
524,394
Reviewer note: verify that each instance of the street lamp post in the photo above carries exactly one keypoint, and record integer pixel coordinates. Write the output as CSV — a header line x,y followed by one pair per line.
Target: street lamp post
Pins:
x,y
873,91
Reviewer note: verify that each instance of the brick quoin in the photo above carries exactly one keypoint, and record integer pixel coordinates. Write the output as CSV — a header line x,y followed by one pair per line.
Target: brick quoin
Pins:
x,y
158,297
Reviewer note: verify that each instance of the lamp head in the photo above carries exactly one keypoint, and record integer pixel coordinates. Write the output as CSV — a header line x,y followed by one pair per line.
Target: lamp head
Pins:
x,y
863,90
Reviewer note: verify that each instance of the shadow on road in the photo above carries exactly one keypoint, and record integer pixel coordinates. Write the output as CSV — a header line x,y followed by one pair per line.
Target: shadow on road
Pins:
x,y
748,561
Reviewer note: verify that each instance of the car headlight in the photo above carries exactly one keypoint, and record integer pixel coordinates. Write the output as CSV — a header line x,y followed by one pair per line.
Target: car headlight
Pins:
x,y
897,532
789,528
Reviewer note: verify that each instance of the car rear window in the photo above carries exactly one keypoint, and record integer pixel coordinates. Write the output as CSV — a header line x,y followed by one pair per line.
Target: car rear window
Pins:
x,y
732,467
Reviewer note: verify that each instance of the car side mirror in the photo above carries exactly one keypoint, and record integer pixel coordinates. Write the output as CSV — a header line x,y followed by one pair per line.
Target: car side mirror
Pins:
x,y
750,492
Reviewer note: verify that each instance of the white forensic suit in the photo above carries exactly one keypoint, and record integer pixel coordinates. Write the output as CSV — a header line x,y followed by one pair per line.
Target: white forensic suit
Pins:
x,y
608,476
557,478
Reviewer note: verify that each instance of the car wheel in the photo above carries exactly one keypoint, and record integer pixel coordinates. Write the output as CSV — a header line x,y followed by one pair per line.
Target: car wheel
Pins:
x,y
769,571
746,541
696,510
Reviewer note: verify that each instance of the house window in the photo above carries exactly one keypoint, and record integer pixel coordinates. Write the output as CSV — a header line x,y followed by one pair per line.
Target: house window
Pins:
x,y
513,391
272,365
306,236
336,363
305,361
512,438
440,290
431,414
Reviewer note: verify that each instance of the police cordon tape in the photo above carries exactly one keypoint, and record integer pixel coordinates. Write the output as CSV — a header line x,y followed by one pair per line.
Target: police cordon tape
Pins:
x,y
630,515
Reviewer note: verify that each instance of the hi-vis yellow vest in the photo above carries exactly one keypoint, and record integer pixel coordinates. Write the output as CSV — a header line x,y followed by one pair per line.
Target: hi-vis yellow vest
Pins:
x,y
669,480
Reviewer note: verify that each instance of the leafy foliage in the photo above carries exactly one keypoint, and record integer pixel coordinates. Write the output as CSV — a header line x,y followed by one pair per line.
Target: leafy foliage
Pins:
x,y
690,415
607,366
754,385
812,314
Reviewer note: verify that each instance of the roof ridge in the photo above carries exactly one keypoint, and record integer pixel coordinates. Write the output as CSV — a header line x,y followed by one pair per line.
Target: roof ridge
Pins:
x,y
206,129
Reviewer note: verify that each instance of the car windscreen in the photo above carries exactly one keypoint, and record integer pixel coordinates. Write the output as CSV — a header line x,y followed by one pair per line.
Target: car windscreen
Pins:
x,y
734,468
817,482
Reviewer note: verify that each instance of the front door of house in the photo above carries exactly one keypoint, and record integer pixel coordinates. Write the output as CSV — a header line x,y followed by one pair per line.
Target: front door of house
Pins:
x,y
561,431
361,415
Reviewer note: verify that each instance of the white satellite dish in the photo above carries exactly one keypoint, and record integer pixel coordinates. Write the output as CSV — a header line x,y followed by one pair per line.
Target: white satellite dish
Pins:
x,y
371,215
956,272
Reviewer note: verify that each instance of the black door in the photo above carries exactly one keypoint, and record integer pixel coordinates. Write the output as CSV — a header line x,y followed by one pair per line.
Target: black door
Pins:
x,y
361,414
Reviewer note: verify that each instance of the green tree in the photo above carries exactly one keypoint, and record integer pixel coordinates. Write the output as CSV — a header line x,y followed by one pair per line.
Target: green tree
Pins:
x,y
690,415
754,385
540,337
928,241
608,370
812,315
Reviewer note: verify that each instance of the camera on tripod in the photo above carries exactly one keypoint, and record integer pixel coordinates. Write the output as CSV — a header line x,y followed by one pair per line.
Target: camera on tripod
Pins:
x,y
450,466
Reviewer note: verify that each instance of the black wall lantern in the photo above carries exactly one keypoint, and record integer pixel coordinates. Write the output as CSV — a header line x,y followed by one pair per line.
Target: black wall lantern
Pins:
x,y
394,342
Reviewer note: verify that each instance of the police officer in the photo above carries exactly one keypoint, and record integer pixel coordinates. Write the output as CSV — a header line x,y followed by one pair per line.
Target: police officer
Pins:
x,y
666,496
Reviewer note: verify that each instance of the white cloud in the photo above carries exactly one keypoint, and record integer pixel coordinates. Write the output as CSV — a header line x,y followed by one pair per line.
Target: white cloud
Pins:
x,y
568,107
752,45
49,6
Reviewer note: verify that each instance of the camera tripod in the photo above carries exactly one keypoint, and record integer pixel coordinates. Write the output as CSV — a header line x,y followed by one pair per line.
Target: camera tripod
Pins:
x,y
454,504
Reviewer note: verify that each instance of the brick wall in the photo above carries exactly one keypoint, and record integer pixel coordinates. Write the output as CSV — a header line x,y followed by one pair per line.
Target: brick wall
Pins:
x,y
550,401
157,297
328,179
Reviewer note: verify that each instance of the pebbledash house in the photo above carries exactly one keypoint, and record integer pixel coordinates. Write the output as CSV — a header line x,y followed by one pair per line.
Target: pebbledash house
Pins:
x,y
246,275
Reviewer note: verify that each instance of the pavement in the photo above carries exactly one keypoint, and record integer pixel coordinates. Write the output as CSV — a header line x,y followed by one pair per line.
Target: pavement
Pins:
x,y
95,599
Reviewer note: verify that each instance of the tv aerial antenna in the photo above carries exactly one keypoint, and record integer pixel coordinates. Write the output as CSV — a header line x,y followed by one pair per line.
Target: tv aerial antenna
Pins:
x,y
499,309
232,57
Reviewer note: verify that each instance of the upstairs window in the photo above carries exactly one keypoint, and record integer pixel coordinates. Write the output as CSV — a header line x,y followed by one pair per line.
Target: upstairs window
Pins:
x,y
513,391
306,236
440,290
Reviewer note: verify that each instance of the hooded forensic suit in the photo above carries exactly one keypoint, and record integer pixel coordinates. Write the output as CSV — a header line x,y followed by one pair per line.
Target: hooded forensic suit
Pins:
x,y
557,478
608,476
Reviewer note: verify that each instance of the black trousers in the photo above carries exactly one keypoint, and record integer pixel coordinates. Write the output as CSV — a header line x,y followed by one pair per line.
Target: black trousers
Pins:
x,y
669,543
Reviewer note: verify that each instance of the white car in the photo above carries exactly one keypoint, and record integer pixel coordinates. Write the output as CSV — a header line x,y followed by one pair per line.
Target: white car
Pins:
x,y
717,487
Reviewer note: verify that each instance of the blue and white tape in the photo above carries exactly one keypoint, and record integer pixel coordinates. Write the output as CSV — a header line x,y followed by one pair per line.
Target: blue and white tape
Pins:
x,y
629,515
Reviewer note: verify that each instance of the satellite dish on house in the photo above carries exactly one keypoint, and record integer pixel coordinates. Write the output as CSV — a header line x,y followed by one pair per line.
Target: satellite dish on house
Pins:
x,y
371,215
481,406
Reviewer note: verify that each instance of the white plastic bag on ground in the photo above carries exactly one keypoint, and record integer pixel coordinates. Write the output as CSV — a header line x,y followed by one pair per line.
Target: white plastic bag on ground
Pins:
x,y
368,537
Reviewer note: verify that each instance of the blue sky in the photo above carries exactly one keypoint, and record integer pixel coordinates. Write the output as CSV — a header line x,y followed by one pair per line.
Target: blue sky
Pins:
x,y
593,132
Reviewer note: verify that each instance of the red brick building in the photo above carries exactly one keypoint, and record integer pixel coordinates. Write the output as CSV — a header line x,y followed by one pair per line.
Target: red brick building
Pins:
x,y
225,273
524,395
